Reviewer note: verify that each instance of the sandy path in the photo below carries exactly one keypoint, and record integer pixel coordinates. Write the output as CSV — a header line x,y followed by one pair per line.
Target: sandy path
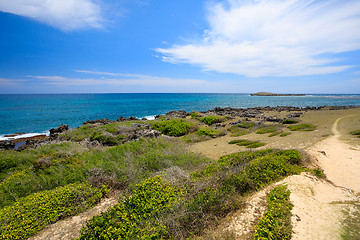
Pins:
x,y
341,162
69,228
319,204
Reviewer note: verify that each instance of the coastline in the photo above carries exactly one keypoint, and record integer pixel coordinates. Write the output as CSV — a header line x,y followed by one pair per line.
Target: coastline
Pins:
x,y
209,138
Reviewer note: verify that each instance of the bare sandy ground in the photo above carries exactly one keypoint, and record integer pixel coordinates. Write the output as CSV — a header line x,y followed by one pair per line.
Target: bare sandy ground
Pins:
x,y
319,204
69,228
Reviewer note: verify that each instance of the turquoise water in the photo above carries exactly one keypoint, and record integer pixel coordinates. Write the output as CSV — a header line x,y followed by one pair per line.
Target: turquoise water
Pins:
x,y
37,113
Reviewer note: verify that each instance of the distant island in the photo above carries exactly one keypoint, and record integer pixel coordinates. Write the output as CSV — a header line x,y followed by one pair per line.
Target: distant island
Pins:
x,y
274,94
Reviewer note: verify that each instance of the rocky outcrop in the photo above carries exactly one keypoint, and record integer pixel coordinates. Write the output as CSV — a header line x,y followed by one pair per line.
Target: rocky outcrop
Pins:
x,y
54,132
98,121
274,94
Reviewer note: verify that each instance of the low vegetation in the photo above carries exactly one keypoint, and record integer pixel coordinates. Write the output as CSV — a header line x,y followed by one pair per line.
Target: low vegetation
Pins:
x,y
184,207
284,134
209,120
276,221
302,127
290,121
241,129
247,143
167,192
268,129
28,215
203,134
355,133
174,127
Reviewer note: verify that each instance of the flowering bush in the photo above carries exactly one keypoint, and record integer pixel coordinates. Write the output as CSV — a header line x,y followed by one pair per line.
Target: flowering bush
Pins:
x,y
137,216
276,222
30,214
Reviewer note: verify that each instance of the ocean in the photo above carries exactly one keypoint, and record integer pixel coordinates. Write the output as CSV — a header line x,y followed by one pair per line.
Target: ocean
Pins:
x,y
37,113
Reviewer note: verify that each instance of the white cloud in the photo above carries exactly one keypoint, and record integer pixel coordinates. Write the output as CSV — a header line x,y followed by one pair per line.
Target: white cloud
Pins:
x,y
273,37
120,79
66,15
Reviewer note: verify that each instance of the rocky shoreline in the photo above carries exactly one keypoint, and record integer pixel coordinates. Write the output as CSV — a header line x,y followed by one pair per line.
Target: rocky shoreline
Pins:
x,y
144,130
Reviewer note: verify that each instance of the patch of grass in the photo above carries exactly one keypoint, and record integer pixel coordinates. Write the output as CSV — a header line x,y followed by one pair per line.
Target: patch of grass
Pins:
x,y
276,222
290,121
241,129
268,129
209,120
203,134
351,223
274,134
284,134
30,214
174,127
355,133
302,127
195,115
264,170
247,143
108,140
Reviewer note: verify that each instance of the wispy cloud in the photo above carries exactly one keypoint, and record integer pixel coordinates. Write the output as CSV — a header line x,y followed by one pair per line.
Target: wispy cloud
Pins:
x,y
66,15
119,79
274,37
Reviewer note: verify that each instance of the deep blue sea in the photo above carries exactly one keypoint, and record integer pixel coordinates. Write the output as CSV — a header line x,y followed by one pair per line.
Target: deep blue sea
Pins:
x,y
37,113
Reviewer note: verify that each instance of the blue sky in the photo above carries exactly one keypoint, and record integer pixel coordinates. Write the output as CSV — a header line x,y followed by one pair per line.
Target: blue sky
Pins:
x,y
116,46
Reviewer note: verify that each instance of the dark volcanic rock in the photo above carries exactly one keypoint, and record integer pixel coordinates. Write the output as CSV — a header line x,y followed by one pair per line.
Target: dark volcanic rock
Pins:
x,y
7,145
54,132
178,114
99,121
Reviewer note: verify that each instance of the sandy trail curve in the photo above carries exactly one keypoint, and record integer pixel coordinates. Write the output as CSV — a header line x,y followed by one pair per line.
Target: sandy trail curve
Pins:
x,y
319,204
69,228
340,161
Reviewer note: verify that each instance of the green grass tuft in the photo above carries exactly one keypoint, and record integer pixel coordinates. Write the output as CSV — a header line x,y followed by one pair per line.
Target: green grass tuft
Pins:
x,y
209,120
302,127
284,134
290,121
247,143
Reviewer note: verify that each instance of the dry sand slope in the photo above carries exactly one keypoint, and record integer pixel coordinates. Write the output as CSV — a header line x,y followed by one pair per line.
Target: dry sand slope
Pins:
x,y
318,205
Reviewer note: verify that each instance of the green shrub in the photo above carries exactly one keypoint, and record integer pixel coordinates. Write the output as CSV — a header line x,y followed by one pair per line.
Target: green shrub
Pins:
x,y
209,120
241,129
209,132
284,134
195,115
137,216
290,121
107,140
247,143
356,133
268,129
174,127
30,214
47,172
264,170
274,134
227,162
302,127
276,222
203,134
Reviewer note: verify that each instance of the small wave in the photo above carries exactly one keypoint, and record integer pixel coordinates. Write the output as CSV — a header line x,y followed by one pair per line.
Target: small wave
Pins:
x,y
25,135
151,117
